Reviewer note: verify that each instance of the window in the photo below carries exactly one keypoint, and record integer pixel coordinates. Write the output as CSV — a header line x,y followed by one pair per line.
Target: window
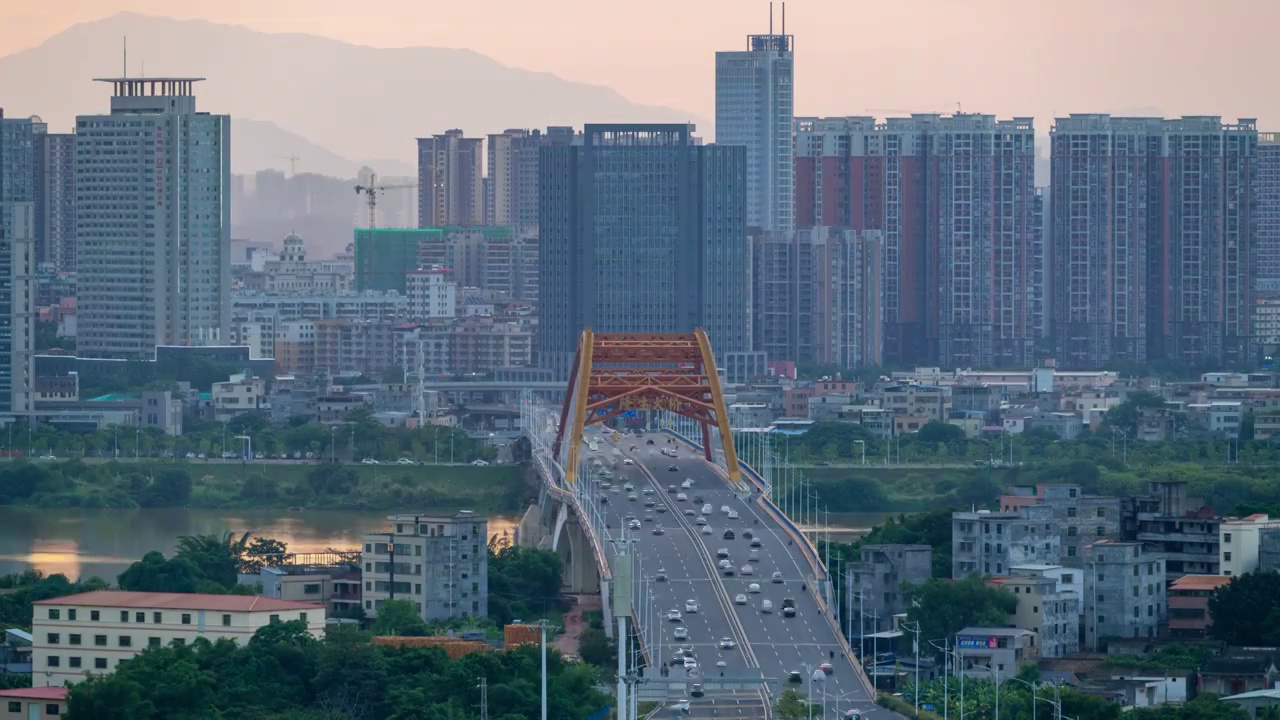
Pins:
x,y
274,619
126,641
153,642
74,661
51,709
99,663
73,639
124,616
226,620
1102,512
15,706
71,613
55,614
100,640
186,618
139,617
311,589
1226,556
1071,512
1226,537
54,638
54,661
1102,531
179,642
302,617
156,617
93,615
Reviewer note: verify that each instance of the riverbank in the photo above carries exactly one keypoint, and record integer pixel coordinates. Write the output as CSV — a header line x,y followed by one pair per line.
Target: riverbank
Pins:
x,y
490,490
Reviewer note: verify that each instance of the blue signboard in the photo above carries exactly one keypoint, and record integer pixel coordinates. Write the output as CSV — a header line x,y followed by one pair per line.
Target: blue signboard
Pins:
x,y
977,643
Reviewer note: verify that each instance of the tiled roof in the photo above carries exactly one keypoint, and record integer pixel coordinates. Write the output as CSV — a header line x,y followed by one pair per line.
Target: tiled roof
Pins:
x,y
178,601
40,693
1200,582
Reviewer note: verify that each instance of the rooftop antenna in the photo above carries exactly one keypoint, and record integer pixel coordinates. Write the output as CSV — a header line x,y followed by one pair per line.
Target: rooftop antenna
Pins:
x,y
126,57
784,18
770,18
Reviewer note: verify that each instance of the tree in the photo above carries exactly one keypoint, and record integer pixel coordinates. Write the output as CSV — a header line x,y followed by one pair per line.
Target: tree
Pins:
x,y
262,552
171,488
218,557
940,432
1246,611
524,582
1125,415
1205,707
399,617
944,608
792,706
153,573
330,479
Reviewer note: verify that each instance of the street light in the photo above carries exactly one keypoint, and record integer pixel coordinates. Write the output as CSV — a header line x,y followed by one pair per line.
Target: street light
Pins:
x,y
863,443
995,676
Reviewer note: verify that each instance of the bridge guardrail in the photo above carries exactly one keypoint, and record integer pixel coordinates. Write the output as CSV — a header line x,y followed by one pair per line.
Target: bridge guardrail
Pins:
x,y
566,495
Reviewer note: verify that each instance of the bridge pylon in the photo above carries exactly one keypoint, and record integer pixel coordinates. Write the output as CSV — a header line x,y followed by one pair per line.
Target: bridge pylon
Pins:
x,y
614,373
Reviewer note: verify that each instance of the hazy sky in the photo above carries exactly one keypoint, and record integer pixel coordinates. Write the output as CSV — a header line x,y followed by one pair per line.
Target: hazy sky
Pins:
x,y
1024,57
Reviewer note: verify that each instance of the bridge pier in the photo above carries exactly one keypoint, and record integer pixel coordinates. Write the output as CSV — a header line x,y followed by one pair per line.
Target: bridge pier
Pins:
x,y
552,525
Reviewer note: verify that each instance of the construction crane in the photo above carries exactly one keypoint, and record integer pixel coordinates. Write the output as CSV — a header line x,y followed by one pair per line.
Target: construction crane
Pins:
x,y
371,192
293,163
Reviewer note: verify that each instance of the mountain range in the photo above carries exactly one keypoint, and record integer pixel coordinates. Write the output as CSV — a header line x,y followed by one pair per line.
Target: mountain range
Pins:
x,y
334,105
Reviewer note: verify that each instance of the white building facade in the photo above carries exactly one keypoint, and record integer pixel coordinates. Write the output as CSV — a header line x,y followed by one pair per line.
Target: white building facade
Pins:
x,y
153,221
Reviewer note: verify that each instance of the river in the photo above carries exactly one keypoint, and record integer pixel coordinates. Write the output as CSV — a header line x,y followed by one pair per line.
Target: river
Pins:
x,y
87,542
102,542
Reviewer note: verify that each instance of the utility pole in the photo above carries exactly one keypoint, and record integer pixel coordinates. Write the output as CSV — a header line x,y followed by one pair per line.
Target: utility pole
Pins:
x,y
543,625
484,698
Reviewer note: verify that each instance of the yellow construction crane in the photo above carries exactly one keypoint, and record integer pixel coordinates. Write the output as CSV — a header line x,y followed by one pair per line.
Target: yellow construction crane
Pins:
x,y
371,192
293,163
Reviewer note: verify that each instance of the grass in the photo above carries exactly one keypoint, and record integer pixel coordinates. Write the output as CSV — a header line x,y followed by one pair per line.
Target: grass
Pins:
x,y
491,489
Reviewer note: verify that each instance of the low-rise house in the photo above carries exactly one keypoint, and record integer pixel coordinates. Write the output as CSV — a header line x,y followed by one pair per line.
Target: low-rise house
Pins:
x,y
33,703
1256,702
984,650
1239,670
1189,595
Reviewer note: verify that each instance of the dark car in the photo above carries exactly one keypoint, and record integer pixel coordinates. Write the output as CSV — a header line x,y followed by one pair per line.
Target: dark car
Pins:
x,y
728,535
648,442
697,499
746,535
672,489
795,677
672,468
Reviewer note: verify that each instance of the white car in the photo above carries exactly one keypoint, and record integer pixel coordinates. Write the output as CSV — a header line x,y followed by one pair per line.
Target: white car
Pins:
x,y
673,615
747,570
722,553
691,606
706,530
686,484
628,487
681,633
733,514
634,524
680,706
753,587
681,497
700,521
727,644
777,578
628,461
740,599
706,509
369,461
690,664
405,461
725,509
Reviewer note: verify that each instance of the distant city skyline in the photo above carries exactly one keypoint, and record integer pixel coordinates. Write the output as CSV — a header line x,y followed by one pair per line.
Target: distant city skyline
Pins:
x,y
1052,59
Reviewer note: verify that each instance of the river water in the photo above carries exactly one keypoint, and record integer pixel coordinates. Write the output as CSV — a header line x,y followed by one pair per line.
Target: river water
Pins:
x,y
102,542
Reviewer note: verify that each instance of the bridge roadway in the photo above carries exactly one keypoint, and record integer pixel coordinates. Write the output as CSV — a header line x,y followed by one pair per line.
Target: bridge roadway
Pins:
x,y
774,644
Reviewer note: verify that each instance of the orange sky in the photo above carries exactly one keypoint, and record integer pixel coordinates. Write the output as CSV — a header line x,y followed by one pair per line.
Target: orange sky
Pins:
x,y
1001,56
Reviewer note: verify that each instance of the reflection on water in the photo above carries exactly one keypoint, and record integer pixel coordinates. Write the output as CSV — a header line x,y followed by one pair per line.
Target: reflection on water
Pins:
x,y
846,527
103,543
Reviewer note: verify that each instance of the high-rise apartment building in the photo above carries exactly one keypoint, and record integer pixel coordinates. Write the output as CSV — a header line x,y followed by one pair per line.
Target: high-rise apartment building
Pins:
x,y
450,180
511,186
153,221
755,107
817,296
1152,236
55,191
955,200
1266,248
642,229
17,267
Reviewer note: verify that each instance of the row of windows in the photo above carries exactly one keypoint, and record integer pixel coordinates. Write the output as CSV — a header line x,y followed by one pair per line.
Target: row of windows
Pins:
x,y
15,706
138,616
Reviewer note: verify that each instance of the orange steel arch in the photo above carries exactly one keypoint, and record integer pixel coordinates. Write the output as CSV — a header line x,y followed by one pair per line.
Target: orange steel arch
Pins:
x,y
617,372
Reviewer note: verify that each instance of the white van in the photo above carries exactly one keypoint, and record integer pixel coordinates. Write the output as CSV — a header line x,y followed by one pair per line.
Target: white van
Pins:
x,y
766,606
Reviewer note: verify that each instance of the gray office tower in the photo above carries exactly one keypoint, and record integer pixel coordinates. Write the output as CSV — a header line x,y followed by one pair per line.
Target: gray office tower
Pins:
x,y
1266,251
55,189
153,221
643,229
17,266
1152,237
755,107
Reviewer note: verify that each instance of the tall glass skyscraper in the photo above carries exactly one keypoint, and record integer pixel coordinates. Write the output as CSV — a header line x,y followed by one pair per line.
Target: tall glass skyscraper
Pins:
x,y
153,221
642,230
755,106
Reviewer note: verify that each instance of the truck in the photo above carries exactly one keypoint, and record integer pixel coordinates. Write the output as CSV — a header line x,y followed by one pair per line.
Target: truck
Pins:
x,y
789,607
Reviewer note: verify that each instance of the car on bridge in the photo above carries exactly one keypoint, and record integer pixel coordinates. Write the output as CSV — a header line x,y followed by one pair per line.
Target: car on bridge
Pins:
x,y
740,599
673,615
681,633
777,578
672,468
691,606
